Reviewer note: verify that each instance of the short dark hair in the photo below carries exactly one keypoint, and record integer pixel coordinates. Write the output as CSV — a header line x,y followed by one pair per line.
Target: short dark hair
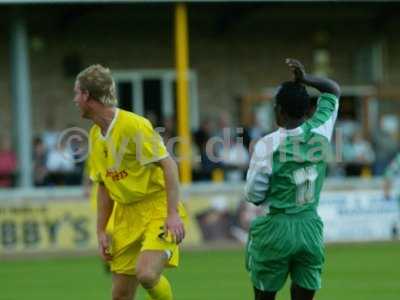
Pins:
x,y
293,99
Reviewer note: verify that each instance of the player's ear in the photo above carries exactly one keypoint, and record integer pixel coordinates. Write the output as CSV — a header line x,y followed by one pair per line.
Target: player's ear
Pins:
x,y
86,96
279,115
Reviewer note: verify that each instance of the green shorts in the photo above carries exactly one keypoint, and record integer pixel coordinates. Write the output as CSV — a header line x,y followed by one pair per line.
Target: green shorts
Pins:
x,y
283,244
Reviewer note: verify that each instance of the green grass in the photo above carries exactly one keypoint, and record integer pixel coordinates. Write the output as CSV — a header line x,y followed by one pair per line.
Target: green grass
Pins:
x,y
358,271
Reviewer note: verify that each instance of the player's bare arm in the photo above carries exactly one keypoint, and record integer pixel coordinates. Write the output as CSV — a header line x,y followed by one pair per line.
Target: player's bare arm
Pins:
x,y
323,85
104,210
173,224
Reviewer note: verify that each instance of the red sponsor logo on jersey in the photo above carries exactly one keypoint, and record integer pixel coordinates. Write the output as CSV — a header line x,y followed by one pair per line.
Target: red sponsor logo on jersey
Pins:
x,y
116,175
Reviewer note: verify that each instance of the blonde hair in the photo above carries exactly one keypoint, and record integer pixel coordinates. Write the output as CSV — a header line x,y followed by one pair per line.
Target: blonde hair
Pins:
x,y
97,81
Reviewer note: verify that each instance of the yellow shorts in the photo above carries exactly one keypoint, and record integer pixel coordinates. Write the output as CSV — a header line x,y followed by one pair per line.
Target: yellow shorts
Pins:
x,y
137,227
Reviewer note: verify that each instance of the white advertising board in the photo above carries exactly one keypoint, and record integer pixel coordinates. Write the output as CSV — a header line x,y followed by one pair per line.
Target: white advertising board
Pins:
x,y
358,215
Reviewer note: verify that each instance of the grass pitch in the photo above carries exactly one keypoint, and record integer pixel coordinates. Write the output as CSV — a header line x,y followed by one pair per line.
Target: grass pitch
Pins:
x,y
356,272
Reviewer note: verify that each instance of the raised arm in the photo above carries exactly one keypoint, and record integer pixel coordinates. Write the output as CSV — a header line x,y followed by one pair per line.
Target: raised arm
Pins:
x,y
323,85
324,118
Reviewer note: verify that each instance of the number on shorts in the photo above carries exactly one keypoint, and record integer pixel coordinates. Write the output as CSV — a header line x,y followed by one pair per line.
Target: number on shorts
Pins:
x,y
162,233
304,179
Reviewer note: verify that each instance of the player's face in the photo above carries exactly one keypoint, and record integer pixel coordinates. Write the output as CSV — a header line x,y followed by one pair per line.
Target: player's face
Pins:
x,y
81,98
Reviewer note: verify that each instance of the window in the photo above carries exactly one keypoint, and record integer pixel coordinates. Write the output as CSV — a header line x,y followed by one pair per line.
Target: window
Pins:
x,y
151,93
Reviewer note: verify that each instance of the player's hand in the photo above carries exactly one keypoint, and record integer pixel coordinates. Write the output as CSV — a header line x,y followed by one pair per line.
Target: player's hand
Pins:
x,y
104,246
175,227
297,69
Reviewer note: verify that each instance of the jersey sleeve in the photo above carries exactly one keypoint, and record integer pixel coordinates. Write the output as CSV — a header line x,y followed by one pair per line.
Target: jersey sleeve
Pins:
x,y
323,120
149,144
259,173
95,176
91,170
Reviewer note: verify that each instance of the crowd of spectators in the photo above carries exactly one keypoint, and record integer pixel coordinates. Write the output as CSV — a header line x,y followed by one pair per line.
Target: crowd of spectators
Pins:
x,y
220,150
53,164
360,155
225,148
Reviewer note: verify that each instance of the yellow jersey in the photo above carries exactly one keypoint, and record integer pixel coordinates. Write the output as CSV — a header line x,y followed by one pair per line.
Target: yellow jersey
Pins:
x,y
124,159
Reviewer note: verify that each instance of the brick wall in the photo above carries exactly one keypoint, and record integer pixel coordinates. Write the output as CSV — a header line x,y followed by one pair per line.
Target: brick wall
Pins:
x,y
232,57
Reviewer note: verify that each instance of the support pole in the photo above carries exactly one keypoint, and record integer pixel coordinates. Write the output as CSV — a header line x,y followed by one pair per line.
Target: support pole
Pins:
x,y
21,101
182,91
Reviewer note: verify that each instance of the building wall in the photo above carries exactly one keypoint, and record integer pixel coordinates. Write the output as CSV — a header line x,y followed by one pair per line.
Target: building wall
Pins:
x,y
233,56
392,50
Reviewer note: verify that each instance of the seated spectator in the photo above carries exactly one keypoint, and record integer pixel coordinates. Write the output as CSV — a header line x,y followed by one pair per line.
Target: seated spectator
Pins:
x,y
169,137
362,150
200,138
77,149
153,118
245,213
359,155
215,222
235,159
60,165
39,162
253,133
50,134
8,163
169,130
386,143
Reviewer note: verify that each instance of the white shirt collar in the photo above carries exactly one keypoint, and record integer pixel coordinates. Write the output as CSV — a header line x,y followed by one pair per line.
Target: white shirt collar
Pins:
x,y
291,132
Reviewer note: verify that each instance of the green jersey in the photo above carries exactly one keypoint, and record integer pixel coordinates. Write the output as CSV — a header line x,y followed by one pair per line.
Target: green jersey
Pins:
x,y
288,167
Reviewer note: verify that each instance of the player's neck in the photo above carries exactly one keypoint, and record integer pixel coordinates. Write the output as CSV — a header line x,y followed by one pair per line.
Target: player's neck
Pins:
x,y
291,124
103,118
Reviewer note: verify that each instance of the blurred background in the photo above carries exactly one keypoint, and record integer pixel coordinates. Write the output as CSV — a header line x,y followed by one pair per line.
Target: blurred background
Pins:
x,y
233,55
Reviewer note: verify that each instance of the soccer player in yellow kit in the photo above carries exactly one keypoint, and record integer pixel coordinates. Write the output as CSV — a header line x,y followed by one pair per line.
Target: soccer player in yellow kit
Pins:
x,y
139,216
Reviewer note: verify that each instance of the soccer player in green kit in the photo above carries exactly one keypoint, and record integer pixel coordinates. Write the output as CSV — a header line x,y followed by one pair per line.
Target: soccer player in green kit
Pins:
x,y
286,172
